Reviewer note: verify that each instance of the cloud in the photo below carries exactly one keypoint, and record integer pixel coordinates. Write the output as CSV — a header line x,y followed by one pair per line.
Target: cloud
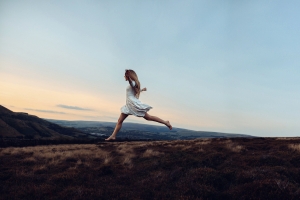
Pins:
x,y
45,111
73,107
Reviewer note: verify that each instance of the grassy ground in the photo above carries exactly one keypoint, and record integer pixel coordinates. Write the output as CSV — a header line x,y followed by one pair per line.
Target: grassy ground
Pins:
x,y
241,168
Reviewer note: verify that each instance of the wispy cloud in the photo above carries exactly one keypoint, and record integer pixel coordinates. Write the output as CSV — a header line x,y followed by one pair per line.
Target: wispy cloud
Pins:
x,y
45,111
73,107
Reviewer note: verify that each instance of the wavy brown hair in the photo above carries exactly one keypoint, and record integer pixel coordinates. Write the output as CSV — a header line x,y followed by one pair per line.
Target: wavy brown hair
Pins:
x,y
131,75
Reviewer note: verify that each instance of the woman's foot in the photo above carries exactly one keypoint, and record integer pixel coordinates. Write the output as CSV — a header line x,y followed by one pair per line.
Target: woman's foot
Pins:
x,y
110,138
169,125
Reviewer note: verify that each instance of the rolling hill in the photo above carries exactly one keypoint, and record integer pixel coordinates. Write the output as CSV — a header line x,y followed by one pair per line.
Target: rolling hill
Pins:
x,y
20,125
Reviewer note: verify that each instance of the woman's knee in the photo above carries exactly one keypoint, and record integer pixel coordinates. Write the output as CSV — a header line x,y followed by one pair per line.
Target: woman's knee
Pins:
x,y
122,118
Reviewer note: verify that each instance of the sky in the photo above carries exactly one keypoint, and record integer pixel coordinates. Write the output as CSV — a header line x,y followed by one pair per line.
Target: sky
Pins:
x,y
217,65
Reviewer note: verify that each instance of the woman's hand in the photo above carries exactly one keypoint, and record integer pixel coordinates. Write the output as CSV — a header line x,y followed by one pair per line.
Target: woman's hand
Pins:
x,y
144,89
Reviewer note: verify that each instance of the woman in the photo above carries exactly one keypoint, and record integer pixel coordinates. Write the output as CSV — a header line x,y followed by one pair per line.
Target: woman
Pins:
x,y
133,105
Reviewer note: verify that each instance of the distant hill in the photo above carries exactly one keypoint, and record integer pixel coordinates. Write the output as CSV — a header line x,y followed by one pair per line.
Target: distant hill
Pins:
x,y
141,131
21,125
25,126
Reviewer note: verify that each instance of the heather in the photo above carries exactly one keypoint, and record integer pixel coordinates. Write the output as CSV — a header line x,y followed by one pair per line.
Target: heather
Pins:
x,y
236,168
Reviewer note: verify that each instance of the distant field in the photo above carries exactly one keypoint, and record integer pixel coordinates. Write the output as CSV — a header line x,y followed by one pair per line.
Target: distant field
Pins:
x,y
236,168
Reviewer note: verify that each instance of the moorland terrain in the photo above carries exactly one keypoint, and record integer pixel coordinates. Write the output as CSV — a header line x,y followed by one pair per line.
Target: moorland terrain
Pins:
x,y
55,159
220,168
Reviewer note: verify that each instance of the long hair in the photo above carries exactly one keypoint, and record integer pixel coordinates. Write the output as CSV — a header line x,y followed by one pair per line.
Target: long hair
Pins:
x,y
132,76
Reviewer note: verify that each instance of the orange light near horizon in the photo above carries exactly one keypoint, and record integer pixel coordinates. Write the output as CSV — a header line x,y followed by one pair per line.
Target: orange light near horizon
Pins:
x,y
41,98
37,98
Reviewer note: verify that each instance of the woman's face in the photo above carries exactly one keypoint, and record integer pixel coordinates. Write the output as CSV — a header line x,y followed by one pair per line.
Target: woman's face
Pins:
x,y
125,77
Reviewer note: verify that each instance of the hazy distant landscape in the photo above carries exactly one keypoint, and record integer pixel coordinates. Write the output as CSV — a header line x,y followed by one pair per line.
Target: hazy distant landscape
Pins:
x,y
140,131
19,126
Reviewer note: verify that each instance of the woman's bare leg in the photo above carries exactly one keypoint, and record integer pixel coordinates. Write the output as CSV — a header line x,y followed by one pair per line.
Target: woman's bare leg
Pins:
x,y
157,119
118,127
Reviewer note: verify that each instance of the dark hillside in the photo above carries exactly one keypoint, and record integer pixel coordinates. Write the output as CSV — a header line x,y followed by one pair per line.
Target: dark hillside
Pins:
x,y
25,126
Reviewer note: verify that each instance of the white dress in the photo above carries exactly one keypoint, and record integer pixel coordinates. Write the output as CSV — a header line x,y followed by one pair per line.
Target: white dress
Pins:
x,y
133,105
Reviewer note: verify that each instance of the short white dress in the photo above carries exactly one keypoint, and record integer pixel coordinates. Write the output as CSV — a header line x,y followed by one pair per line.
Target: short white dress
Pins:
x,y
133,105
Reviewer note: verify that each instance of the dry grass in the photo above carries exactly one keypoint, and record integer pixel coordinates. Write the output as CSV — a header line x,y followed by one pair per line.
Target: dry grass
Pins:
x,y
233,146
257,168
196,145
53,155
151,152
295,147
127,151
287,138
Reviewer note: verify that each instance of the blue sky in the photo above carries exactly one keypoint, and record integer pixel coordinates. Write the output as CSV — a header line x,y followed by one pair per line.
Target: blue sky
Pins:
x,y
228,66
